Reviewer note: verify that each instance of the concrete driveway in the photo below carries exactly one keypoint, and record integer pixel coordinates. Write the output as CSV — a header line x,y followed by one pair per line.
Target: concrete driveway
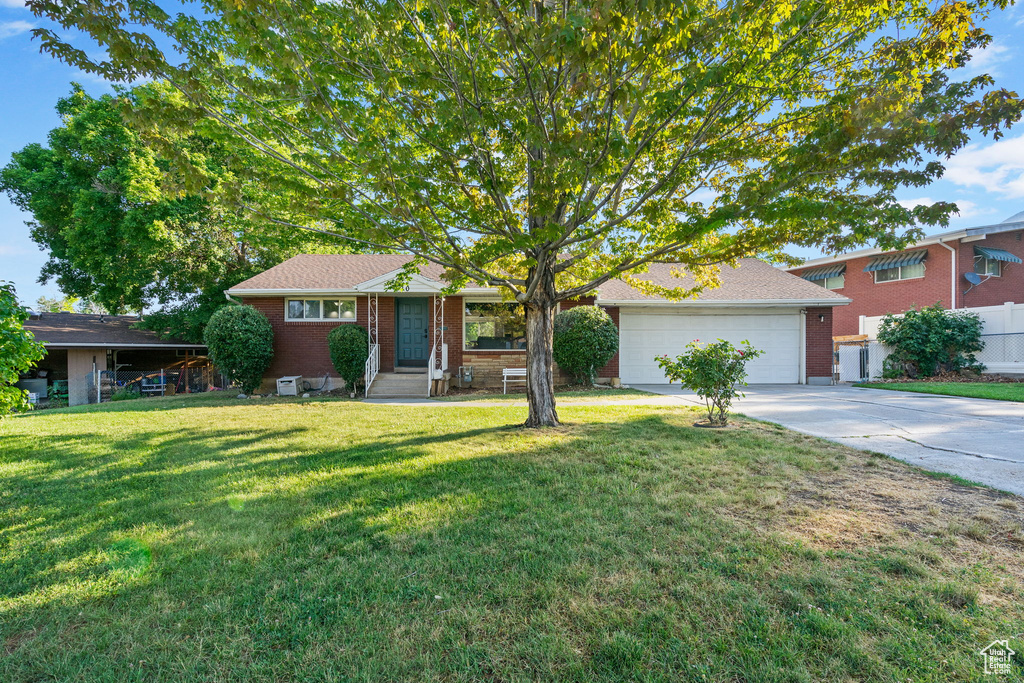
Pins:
x,y
977,439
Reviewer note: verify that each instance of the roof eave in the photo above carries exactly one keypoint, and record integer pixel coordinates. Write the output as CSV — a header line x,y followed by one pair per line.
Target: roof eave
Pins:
x,y
726,303
116,345
346,292
861,253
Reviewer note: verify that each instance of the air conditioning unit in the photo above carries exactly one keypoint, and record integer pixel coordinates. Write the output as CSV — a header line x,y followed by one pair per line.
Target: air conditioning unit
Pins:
x,y
289,386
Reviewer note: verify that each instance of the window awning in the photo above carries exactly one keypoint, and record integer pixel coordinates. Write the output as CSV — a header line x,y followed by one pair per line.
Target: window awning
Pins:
x,y
996,254
824,272
905,258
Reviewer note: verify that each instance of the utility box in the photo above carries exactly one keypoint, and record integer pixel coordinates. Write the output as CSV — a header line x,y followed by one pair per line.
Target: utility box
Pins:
x,y
289,386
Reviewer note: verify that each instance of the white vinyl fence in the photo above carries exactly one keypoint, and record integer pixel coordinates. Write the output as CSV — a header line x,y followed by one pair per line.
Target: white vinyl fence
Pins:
x,y
1002,334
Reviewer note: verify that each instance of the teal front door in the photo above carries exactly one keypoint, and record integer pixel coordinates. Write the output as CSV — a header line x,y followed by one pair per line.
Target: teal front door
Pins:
x,y
411,322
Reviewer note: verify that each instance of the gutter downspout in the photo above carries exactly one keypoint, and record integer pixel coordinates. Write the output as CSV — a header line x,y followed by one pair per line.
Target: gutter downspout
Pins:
x,y
952,275
803,346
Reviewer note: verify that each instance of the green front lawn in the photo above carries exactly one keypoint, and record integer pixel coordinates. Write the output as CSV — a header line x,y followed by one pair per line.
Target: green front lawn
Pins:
x,y
211,539
562,396
1000,391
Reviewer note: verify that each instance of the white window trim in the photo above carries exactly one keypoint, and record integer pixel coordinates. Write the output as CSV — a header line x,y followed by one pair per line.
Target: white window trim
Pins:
x,y
462,315
900,279
986,274
322,299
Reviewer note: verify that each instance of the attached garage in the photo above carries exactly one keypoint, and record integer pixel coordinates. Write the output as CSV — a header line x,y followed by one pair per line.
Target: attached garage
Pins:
x,y
648,332
786,317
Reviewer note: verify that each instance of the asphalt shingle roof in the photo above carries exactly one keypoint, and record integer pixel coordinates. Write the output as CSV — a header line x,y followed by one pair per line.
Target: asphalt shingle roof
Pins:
x,y
331,271
57,329
752,280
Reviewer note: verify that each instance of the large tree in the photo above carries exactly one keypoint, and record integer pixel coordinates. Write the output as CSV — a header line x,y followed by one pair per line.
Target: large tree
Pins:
x,y
546,147
131,219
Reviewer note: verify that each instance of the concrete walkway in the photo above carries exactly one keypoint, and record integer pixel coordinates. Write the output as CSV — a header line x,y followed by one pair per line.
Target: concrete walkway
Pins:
x,y
978,439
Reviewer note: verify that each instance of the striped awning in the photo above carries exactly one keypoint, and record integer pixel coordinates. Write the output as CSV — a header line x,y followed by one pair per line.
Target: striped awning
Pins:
x,y
996,254
904,258
824,272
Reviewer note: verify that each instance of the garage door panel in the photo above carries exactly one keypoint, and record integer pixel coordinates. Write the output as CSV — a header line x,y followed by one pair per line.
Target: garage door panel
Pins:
x,y
645,334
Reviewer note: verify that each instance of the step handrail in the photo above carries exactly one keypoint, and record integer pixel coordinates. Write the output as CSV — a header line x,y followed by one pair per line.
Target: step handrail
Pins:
x,y
372,368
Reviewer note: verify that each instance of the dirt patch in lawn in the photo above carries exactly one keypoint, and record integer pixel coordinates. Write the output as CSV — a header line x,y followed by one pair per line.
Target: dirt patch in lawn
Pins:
x,y
873,500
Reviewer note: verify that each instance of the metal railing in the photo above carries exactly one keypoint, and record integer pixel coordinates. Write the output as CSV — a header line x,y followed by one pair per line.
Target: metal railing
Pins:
x,y
430,368
372,367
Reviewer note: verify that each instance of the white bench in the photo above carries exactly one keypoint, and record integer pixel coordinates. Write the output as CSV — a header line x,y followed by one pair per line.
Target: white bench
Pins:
x,y
512,375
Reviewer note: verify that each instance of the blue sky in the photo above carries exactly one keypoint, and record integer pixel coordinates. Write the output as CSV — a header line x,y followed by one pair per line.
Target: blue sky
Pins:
x,y
986,179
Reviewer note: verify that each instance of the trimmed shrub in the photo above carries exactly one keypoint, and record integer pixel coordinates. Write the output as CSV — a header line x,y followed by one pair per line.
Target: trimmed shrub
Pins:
x,y
241,344
585,339
931,340
350,347
713,371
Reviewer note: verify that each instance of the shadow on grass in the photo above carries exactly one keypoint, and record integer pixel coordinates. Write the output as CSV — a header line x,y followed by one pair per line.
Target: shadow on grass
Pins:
x,y
448,547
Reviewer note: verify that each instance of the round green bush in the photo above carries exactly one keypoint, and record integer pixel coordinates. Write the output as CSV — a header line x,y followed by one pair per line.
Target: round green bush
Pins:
x,y
585,339
350,347
241,344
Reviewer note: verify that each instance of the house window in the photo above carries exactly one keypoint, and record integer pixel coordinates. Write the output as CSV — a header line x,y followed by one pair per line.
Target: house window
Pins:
x,y
494,325
320,309
834,282
988,266
910,272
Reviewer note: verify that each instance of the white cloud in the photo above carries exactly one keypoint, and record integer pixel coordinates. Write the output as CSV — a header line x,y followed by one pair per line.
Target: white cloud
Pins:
x,y
12,3
998,167
989,59
13,28
967,208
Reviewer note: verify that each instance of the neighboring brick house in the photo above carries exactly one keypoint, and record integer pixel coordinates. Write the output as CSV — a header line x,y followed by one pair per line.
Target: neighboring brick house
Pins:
x,y
936,269
307,296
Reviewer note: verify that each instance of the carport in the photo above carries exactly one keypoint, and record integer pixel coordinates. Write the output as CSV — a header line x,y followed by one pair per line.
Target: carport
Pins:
x,y
81,347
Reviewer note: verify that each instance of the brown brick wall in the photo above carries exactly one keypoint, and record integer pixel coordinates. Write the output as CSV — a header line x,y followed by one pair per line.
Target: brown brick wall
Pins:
x,y
871,299
819,342
300,348
997,290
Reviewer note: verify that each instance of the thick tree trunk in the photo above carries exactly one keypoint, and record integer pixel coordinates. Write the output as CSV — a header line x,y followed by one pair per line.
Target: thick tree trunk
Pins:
x,y
540,385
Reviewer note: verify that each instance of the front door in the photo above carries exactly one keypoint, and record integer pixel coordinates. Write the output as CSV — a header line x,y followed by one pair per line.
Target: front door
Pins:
x,y
411,322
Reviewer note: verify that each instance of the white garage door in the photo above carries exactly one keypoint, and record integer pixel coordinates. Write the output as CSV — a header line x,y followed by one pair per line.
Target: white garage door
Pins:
x,y
648,332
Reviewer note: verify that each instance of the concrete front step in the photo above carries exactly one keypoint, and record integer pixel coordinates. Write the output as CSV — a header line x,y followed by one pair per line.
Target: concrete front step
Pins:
x,y
399,385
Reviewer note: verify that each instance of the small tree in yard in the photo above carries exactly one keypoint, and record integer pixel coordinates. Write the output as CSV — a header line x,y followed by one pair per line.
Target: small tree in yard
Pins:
x,y
349,346
712,371
931,340
585,339
241,344
18,351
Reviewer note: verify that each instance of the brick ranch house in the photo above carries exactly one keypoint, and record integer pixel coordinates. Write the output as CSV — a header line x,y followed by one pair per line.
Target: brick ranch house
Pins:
x,y
308,295
934,269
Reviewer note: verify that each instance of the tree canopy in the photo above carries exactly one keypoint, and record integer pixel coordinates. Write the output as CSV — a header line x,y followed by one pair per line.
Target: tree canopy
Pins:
x,y
121,226
547,147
